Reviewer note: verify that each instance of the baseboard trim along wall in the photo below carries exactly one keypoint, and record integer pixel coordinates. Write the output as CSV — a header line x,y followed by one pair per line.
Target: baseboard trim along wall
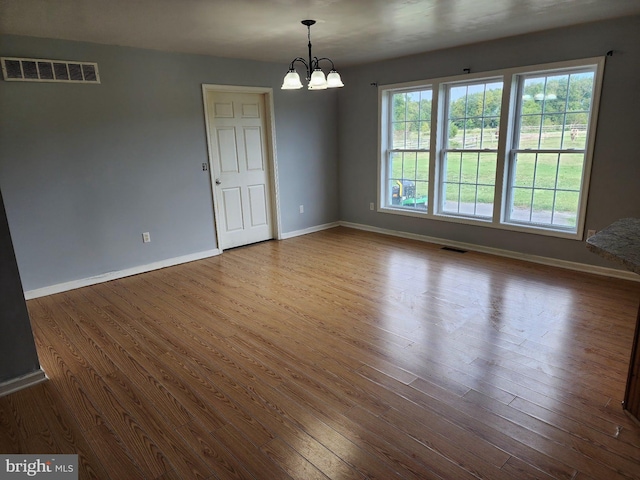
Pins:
x,y
580,267
105,277
554,262
24,381
306,231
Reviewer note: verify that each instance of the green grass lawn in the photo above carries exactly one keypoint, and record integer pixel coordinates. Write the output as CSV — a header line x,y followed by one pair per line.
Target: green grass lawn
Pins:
x,y
552,171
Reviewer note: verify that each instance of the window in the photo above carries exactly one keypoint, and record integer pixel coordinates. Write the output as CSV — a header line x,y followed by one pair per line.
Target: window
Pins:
x,y
470,155
509,149
549,148
408,157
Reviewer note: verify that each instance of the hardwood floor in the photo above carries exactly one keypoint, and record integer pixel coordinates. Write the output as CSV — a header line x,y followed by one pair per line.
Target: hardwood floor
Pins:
x,y
341,354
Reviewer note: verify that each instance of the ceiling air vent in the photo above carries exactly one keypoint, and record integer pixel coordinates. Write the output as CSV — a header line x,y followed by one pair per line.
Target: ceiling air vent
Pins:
x,y
39,70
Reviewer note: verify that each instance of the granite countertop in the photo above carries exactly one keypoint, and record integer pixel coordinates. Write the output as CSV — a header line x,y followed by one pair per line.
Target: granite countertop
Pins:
x,y
619,242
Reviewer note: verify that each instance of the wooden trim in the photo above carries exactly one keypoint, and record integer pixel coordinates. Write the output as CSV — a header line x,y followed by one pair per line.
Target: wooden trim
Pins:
x,y
22,382
554,262
106,277
305,231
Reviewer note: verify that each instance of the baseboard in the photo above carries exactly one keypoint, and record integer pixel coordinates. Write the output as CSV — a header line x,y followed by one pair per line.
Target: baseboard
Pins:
x,y
85,282
554,262
306,231
24,381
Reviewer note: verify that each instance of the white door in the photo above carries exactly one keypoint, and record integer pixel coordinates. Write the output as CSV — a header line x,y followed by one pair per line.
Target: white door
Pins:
x,y
240,167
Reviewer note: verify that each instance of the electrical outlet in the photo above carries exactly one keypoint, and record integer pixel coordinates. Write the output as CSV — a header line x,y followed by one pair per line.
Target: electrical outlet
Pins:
x,y
146,237
301,208
371,207
590,233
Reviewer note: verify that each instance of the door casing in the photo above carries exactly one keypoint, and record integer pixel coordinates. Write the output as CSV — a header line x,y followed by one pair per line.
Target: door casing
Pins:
x,y
208,89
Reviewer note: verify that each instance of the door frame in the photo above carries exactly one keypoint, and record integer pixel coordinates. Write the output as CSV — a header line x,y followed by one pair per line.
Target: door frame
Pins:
x,y
270,135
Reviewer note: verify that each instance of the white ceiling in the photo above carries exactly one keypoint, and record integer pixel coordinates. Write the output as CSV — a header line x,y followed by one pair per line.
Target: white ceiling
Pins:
x,y
349,32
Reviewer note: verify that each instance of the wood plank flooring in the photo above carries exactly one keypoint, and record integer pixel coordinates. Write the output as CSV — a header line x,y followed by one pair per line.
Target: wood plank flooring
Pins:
x,y
340,354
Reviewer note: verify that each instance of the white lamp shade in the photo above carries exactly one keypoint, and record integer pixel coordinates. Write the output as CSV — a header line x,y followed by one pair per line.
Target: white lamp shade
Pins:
x,y
291,81
318,80
334,80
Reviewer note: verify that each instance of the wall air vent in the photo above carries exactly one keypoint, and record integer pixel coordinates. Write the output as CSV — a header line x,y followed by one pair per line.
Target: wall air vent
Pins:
x,y
39,70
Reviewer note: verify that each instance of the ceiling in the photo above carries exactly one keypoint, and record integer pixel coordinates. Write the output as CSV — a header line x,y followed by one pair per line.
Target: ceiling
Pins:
x,y
348,31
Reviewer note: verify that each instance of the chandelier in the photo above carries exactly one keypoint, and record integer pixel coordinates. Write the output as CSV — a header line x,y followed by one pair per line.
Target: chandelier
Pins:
x,y
315,76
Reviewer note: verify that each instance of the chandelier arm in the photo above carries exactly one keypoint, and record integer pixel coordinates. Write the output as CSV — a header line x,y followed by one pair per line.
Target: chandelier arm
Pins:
x,y
307,66
333,67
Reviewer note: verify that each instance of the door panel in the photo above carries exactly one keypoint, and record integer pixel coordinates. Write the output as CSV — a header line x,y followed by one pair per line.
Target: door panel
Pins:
x,y
232,201
242,189
227,150
223,110
250,110
257,199
253,147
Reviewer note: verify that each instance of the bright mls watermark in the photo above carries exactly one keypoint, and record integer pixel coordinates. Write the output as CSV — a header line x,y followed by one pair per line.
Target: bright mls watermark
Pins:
x,y
51,467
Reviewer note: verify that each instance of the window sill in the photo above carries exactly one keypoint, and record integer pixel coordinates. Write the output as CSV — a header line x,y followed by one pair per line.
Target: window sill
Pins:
x,y
484,222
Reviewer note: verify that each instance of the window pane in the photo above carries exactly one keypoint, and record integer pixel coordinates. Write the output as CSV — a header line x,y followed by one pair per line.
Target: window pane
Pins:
x,y
567,204
396,165
399,101
451,198
525,169
552,126
542,206
412,130
394,196
530,131
490,132
485,201
398,135
408,183
452,170
580,92
410,119
422,189
555,95
487,170
575,131
457,97
467,199
422,166
530,106
409,166
469,172
570,171
546,170
521,204
425,135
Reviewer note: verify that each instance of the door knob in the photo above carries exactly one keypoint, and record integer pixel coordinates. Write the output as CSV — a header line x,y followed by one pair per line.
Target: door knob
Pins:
x,y
218,182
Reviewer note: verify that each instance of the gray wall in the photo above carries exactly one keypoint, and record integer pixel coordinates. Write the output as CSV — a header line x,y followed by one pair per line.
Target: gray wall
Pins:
x,y
85,169
18,352
615,185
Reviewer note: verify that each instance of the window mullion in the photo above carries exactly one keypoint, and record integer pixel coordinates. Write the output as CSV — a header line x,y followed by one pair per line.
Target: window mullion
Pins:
x,y
435,160
505,132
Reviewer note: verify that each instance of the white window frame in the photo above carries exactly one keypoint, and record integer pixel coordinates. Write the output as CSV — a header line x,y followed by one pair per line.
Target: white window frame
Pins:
x,y
388,150
444,151
505,143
